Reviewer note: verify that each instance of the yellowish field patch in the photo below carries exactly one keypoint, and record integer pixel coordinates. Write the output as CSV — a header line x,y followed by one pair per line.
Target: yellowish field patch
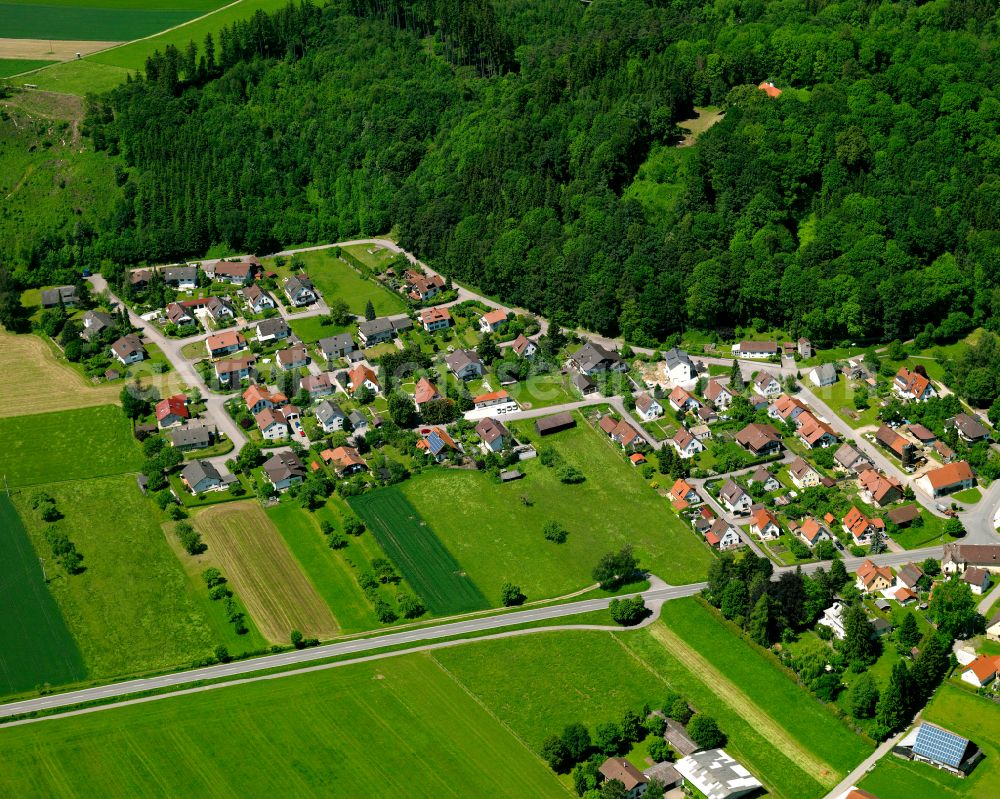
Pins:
x,y
246,546
46,50
35,381
699,124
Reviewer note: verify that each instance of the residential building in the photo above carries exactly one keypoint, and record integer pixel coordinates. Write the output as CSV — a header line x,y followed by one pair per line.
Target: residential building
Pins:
x,y
225,343
945,453
969,429
978,579
871,579
60,295
764,524
766,384
849,459
493,434
267,330
618,768
952,477
735,498
718,394
524,346
283,470
294,357
435,319
192,436
345,460
981,671
179,314
500,401
339,346
95,323
436,442
760,439
239,272
909,576
755,349
679,367
258,397
492,321
939,747
272,424
765,478
958,557
424,392
861,528
814,433
593,359
172,411
878,488
219,309
812,532
823,375
182,278
805,348
257,299
233,371
702,432
139,278
769,89
300,290
465,364
361,375
717,775
201,476
620,431
684,491
803,475
682,400
833,617
128,349
912,386
329,416
420,287
648,407
786,408
686,444
723,536
317,385
376,331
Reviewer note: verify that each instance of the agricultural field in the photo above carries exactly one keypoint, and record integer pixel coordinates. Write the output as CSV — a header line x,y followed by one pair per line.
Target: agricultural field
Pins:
x,y
418,553
396,727
38,382
132,610
15,66
496,536
67,445
35,645
246,546
962,712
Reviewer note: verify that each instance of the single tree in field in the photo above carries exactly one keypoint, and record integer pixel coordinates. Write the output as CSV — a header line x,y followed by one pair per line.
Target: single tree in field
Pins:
x,y
705,731
511,595
736,377
369,310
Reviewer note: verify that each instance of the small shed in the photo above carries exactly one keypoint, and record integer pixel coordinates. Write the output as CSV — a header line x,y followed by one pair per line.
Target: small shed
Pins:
x,y
553,424
510,476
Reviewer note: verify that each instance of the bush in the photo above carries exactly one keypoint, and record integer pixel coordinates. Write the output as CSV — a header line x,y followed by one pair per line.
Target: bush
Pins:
x,y
705,731
410,607
511,595
190,538
570,475
337,541
627,612
354,526
658,750
212,577
555,532
680,711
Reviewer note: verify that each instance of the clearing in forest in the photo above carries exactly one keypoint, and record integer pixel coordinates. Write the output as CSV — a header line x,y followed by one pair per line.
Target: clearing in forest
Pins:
x,y
246,546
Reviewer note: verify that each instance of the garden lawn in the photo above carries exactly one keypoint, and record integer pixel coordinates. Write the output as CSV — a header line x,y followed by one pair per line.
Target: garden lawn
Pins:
x,y
495,536
67,445
131,610
961,712
313,328
397,727
969,496
840,399
540,391
377,261
411,543
336,279
932,532
35,646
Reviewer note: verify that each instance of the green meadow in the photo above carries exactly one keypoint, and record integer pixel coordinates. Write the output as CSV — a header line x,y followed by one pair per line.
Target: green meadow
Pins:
x,y
85,21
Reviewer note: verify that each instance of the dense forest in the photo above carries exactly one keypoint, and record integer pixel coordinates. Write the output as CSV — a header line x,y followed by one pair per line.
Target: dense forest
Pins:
x,y
500,139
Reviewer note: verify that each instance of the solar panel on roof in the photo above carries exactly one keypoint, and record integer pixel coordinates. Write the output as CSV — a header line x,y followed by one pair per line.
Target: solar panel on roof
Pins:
x,y
937,744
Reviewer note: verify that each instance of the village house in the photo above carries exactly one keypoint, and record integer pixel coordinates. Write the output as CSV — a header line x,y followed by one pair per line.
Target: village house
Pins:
x,y
735,498
524,347
294,357
812,532
192,436
493,434
182,278
420,287
718,394
465,364
786,408
234,371
958,557
257,300
300,291
767,480
833,617
436,442
760,439
755,349
686,444
702,432
274,329
823,375
500,401
764,524
981,671
238,272
871,579
898,445
802,474
620,431
805,348
593,359
766,385
969,429
814,433
682,401
272,424
60,295
849,459
345,460
618,768
435,319
944,452
861,528
317,385
361,375
952,477
225,343
684,492
978,579
179,314
339,346
139,278
912,386
172,411
329,416
723,536
425,391
95,323
128,349
492,321
909,577
219,309
648,407
878,489
679,367
382,329
939,747
769,89
283,470
201,476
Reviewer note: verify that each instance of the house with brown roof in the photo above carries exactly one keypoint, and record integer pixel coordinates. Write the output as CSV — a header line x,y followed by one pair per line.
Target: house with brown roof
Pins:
x,y
524,346
648,407
909,576
421,287
593,359
723,536
435,319
755,349
239,271
944,452
912,386
803,474
978,579
766,384
904,516
969,429
952,477
492,321
436,442
786,408
812,532
618,768
294,357
685,443
179,314
861,528
870,578
760,439
345,460
921,434
232,371
272,424
848,458
493,434
814,433
225,343
718,394
128,349
283,470
880,489
682,490
317,385
734,497
257,299
620,431
425,391
958,557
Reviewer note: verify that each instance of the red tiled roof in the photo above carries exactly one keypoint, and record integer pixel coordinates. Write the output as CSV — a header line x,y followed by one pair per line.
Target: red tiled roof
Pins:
x,y
769,89
175,405
950,474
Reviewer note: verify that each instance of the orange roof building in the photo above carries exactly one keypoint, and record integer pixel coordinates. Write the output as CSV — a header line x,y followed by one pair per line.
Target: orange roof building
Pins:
x,y
769,89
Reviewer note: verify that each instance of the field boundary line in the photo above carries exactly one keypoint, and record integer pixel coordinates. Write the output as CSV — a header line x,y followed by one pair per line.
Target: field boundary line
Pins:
x,y
489,711
730,693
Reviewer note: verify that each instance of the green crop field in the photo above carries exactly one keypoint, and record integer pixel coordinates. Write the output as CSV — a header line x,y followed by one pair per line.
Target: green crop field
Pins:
x,y
84,21
496,536
133,609
35,646
15,66
398,727
67,445
419,555
962,712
